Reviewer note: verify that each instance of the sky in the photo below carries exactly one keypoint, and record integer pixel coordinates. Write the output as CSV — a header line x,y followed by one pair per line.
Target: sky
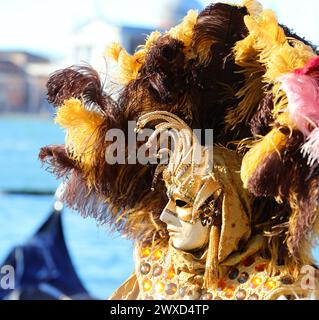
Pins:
x,y
44,26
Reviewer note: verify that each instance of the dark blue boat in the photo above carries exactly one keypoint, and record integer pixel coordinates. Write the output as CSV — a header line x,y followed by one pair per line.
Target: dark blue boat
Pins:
x,y
43,267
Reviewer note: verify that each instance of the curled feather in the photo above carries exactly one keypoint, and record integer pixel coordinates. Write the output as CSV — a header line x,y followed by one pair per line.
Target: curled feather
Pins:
x,y
82,82
60,163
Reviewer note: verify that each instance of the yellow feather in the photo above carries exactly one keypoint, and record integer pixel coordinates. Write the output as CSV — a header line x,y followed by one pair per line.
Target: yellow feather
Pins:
x,y
265,28
113,51
129,65
249,96
184,31
280,101
253,7
285,59
265,54
142,49
275,53
245,52
246,56
151,39
82,127
275,140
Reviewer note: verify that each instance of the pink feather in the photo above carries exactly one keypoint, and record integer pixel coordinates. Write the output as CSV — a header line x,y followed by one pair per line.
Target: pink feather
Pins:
x,y
311,147
312,66
302,90
303,100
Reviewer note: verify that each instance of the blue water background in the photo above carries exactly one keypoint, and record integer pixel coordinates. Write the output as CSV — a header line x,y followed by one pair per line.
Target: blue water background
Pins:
x,y
103,260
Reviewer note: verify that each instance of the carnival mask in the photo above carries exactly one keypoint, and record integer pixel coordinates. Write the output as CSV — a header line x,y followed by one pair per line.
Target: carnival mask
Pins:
x,y
188,228
204,189
184,235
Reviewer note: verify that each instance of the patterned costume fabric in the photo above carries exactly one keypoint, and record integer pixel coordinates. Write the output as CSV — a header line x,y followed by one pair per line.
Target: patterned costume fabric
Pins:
x,y
171,275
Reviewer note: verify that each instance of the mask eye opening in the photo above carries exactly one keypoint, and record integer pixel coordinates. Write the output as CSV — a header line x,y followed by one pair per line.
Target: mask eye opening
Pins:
x,y
181,203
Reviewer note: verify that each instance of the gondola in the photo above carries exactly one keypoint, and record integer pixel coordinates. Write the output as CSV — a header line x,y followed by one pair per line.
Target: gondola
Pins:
x,y
42,266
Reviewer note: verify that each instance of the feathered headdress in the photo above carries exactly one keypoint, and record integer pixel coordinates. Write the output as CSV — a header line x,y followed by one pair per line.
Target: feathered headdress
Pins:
x,y
279,100
230,68
186,71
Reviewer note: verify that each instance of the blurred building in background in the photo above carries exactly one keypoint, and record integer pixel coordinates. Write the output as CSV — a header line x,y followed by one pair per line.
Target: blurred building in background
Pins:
x,y
23,75
22,82
92,37
175,10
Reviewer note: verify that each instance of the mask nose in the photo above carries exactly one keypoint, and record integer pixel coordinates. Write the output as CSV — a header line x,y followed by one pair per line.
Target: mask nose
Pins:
x,y
168,214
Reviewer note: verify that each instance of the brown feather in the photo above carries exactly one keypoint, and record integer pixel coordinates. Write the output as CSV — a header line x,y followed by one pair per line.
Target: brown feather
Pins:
x,y
81,82
214,76
263,118
59,162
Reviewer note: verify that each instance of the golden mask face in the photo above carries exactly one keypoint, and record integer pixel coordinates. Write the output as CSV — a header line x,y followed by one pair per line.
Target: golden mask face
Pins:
x,y
188,203
183,206
184,235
